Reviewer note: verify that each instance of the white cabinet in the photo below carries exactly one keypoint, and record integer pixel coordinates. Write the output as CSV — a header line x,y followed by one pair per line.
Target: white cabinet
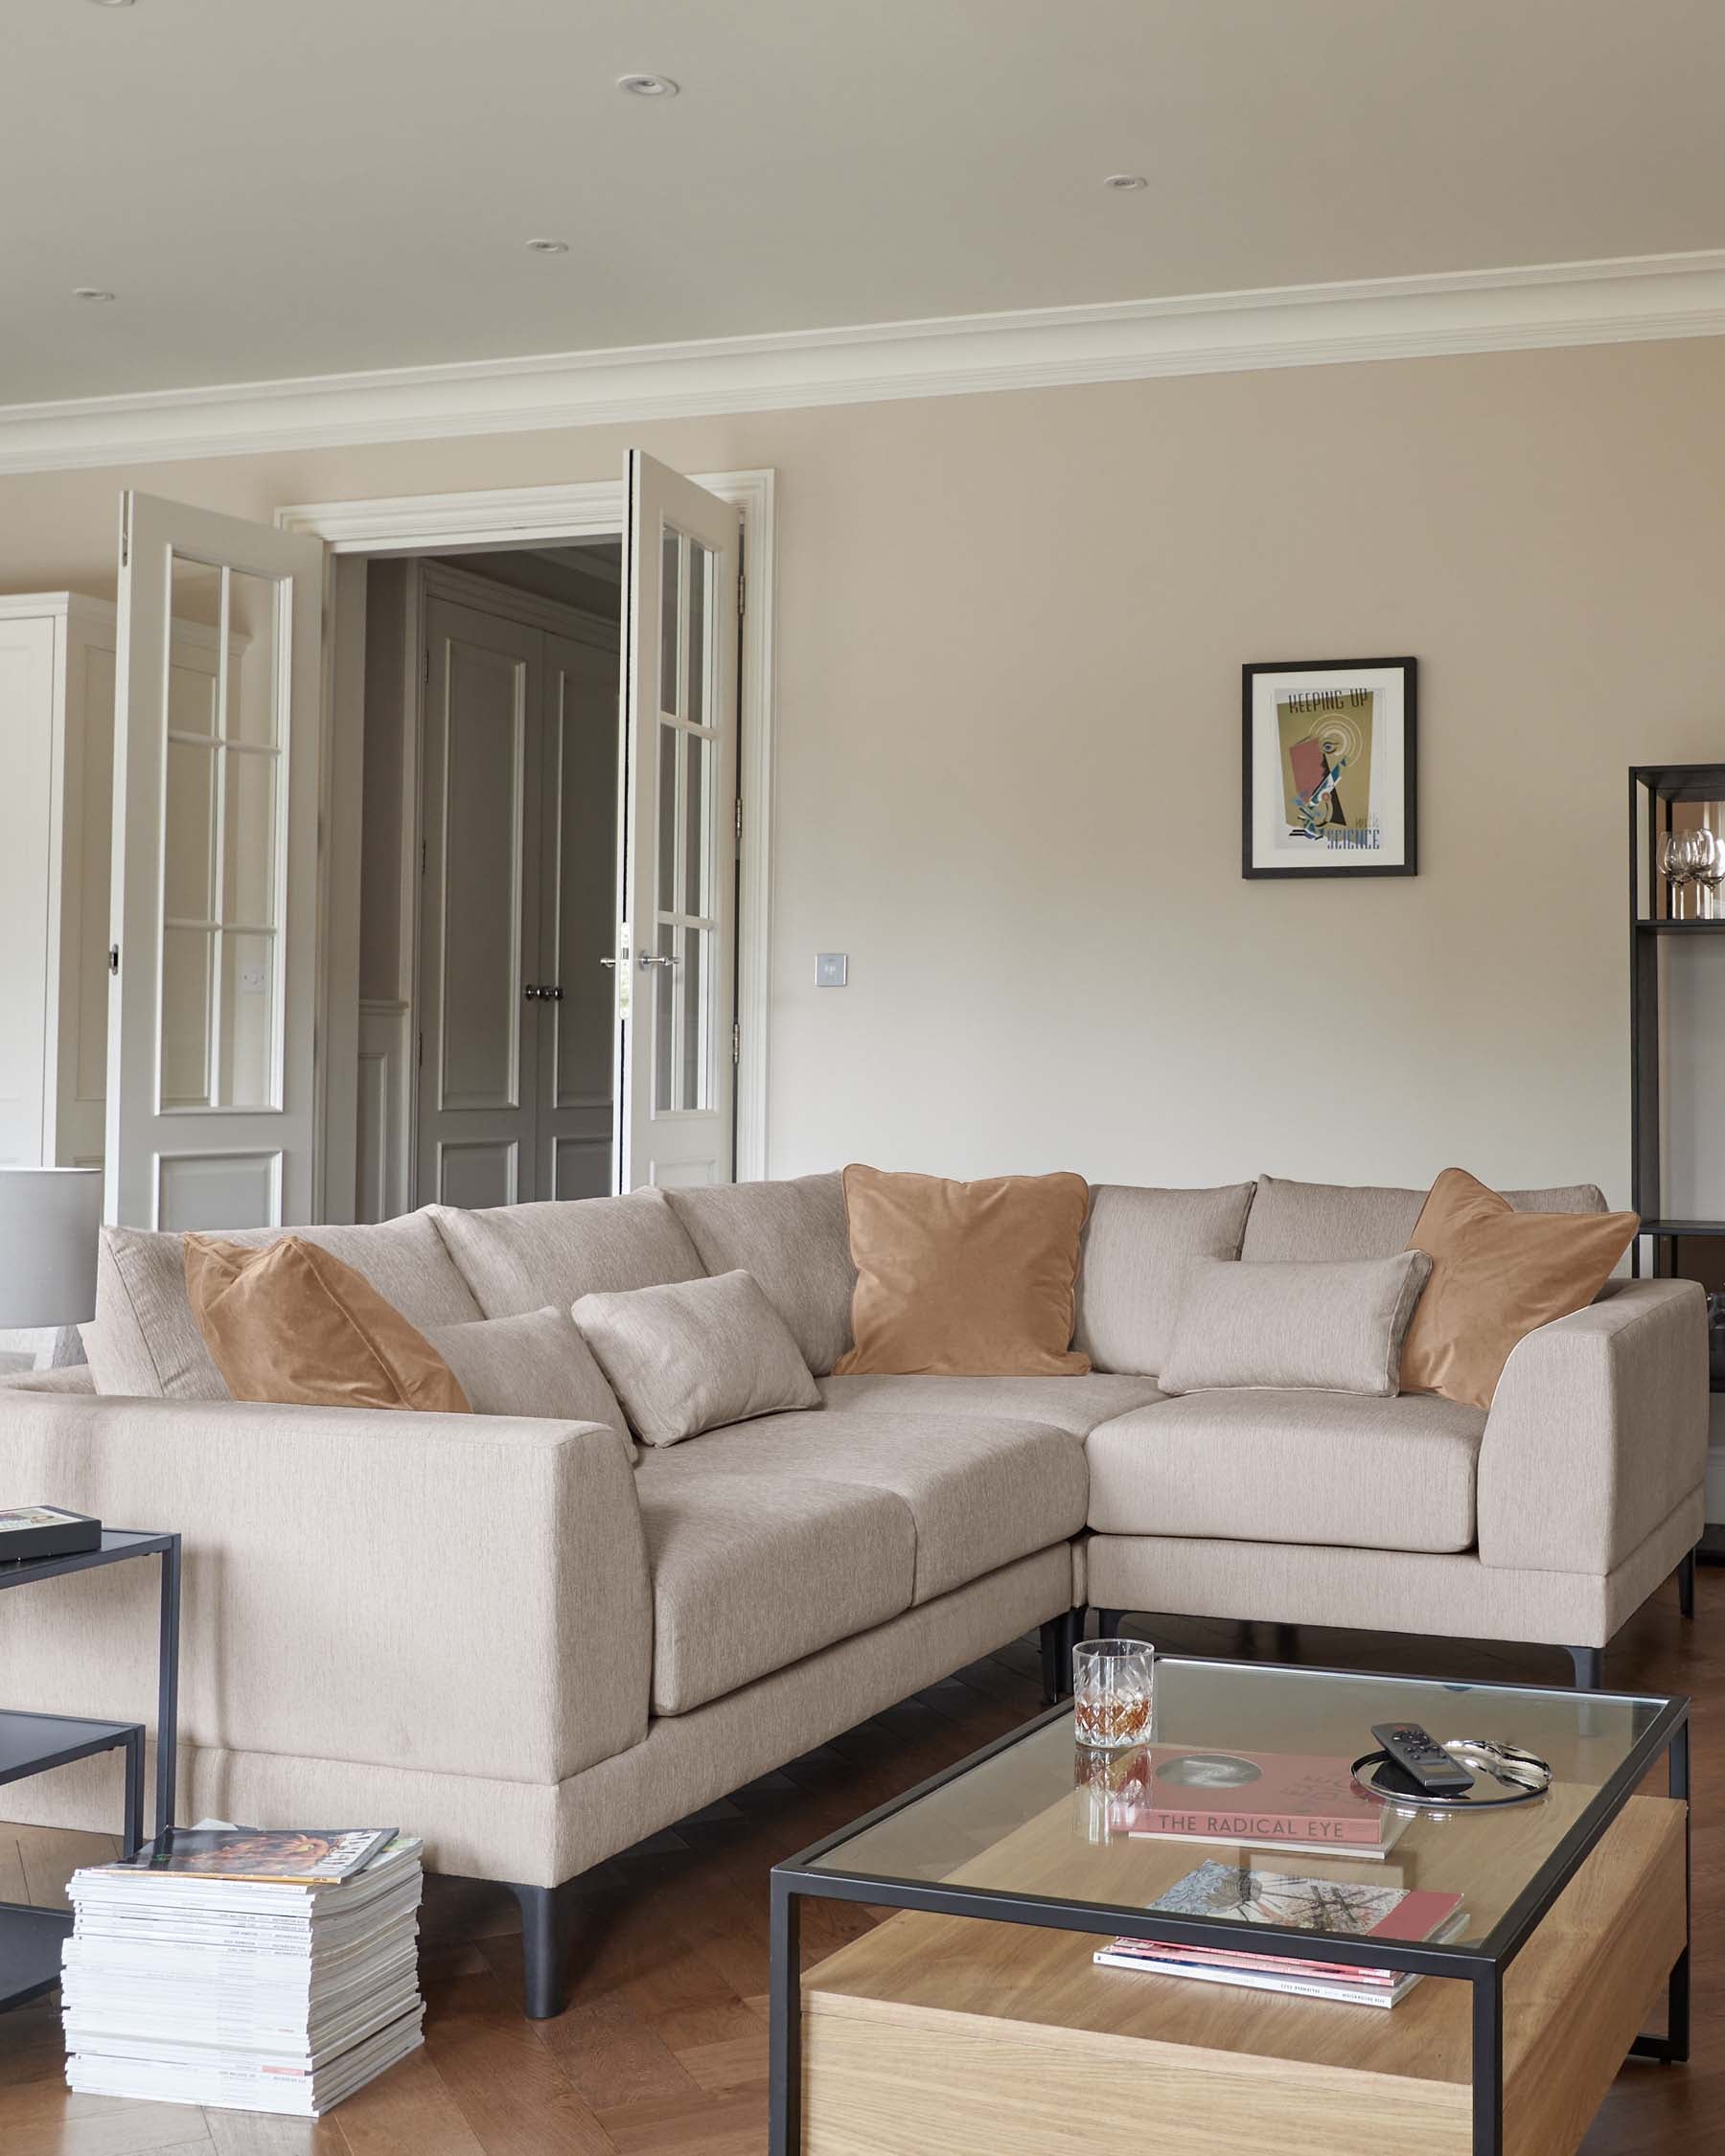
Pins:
x,y
56,785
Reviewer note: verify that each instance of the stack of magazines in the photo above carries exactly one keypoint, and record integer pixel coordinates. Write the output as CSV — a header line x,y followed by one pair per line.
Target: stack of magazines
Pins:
x,y
247,1970
1336,1908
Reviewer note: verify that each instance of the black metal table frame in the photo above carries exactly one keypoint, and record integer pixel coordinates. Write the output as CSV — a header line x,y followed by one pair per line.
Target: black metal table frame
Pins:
x,y
1483,1965
168,1549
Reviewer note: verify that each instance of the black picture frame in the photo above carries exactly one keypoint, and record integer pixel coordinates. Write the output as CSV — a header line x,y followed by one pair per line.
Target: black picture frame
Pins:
x,y
1408,864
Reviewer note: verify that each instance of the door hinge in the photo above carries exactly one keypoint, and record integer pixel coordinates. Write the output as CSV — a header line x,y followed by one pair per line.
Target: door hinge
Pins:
x,y
741,591
113,957
125,531
422,857
739,816
422,1051
736,1042
426,666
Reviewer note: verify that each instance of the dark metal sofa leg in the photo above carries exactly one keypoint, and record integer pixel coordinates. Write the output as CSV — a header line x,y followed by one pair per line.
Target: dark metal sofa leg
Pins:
x,y
1685,1585
544,1940
1108,1623
1590,1667
1059,1637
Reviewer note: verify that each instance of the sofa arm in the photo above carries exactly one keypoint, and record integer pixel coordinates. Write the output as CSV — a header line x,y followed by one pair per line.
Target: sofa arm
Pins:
x,y
1598,1429
457,1594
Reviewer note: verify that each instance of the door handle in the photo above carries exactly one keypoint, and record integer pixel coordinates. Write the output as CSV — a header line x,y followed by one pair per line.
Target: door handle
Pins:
x,y
548,994
649,958
613,961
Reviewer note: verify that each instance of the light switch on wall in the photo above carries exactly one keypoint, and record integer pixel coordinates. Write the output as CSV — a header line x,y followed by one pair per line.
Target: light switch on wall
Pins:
x,y
831,969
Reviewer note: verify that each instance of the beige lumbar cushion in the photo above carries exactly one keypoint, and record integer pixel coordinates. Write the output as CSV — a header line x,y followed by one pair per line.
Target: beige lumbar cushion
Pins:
x,y
691,1355
536,1364
1498,1274
1331,1328
963,1279
293,1324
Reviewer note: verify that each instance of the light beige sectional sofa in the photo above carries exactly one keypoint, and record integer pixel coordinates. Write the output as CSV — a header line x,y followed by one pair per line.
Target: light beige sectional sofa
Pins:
x,y
497,1632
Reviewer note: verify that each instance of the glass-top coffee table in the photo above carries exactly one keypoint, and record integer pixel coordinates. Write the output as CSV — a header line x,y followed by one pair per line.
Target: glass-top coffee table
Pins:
x,y
977,2020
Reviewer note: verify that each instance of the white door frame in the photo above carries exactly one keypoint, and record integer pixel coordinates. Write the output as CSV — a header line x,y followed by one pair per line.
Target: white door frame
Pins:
x,y
545,517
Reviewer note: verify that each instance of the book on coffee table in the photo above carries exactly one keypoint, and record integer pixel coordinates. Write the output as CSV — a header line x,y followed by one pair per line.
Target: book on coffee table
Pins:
x,y
1329,1908
1306,1804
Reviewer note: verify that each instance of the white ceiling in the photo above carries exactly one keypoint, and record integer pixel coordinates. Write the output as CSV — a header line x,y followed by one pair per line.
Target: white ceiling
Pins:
x,y
319,186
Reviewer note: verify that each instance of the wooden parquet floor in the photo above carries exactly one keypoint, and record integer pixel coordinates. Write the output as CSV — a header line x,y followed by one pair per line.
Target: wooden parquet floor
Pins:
x,y
663,2049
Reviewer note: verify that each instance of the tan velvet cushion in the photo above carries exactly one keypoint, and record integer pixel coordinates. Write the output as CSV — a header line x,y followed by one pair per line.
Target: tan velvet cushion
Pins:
x,y
292,1324
688,1355
1330,1328
963,1279
1497,1274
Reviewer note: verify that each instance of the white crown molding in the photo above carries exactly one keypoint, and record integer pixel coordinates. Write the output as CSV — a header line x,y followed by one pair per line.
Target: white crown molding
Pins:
x,y
1635,298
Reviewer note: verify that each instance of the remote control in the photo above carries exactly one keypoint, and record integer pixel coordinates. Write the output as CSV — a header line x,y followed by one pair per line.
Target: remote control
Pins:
x,y
1422,1758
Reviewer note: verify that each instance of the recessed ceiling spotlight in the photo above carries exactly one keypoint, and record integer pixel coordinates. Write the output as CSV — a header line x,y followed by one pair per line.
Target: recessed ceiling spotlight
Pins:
x,y
647,85
1124,183
92,291
547,246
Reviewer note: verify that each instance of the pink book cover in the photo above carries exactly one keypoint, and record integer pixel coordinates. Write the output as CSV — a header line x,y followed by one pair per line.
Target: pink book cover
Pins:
x,y
1261,1796
1338,1909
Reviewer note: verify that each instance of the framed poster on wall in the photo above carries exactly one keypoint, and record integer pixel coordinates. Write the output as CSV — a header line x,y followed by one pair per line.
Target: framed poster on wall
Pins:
x,y
1328,767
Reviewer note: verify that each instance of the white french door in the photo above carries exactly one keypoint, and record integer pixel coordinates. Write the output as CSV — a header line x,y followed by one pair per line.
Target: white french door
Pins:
x,y
677,955
211,1120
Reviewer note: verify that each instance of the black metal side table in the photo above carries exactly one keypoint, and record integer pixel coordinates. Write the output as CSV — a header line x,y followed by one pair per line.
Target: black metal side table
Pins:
x,y
31,1743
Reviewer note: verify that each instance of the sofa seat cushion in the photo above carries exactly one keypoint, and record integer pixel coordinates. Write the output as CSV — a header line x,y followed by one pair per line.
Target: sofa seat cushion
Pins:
x,y
1076,1404
979,1494
752,1572
1301,1467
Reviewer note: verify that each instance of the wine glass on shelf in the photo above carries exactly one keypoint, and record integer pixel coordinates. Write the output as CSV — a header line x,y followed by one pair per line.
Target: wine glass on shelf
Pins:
x,y
1674,867
1707,869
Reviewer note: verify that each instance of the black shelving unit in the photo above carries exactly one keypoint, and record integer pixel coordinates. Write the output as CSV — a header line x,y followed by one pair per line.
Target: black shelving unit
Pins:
x,y
1654,791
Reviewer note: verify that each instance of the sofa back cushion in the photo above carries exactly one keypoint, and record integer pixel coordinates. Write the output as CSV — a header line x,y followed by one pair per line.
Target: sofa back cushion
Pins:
x,y
144,1341
793,1238
517,1259
1131,1275
1333,1219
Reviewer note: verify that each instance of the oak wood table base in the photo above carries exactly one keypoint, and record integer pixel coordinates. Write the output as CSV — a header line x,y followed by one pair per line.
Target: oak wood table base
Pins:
x,y
946,2037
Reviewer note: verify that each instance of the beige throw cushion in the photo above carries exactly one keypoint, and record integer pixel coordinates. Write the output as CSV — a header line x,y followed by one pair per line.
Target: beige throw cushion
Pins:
x,y
536,1364
692,1354
1497,1274
1331,1328
963,1279
290,1323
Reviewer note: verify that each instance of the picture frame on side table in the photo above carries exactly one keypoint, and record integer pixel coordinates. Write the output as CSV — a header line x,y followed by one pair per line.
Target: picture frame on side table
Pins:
x,y
1329,768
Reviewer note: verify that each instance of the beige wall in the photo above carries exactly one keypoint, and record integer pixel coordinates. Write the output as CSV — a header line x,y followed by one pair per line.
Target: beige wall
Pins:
x,y
1008,777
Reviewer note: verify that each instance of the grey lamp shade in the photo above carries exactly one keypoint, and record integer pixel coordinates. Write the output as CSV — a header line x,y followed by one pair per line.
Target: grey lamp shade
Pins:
x,y
50,1228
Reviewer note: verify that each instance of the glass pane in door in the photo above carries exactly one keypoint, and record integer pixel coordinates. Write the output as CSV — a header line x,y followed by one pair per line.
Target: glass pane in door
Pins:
x,y
682,1005
222,841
